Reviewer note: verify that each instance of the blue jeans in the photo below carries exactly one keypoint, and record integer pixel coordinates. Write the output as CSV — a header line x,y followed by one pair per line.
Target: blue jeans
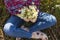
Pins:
x,y
12,29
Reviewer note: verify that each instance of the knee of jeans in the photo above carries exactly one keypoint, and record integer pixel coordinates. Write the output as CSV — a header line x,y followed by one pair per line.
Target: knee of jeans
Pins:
x,y
52,19
7,28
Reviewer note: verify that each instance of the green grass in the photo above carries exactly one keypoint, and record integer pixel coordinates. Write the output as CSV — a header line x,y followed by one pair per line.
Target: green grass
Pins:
x,y
58,1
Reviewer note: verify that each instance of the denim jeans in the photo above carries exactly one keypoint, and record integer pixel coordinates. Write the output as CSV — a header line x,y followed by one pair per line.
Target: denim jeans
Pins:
x,y
12,29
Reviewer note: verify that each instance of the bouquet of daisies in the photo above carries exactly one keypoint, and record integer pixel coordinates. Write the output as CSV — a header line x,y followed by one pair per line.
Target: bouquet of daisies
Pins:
x,y
29,13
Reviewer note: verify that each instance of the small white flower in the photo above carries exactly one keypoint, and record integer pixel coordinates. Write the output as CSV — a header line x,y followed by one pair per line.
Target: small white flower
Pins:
x,y
19,10
33,3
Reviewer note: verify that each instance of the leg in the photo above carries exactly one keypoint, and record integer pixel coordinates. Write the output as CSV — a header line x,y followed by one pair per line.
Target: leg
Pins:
x,y
44,21
12,29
